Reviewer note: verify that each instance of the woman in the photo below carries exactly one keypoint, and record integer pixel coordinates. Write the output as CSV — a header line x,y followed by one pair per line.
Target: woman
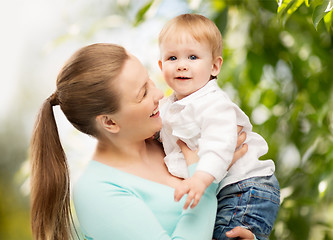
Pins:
x,y
126,191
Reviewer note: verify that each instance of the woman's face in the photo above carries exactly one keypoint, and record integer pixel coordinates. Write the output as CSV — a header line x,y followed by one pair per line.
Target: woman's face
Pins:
x,y
138,117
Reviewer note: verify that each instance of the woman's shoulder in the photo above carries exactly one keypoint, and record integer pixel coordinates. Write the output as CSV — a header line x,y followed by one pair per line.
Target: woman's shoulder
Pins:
x,y
95,178
87,179
98,185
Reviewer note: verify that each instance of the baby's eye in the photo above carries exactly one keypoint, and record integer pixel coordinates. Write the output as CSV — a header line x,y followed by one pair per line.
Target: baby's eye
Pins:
x,y
172,58
193,57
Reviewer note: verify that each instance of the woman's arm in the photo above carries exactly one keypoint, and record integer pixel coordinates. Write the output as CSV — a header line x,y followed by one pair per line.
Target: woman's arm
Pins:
x,y
198,223
127,217
109,211
191,157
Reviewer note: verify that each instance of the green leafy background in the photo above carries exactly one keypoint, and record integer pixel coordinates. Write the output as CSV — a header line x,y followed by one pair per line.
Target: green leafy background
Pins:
x,y
278,62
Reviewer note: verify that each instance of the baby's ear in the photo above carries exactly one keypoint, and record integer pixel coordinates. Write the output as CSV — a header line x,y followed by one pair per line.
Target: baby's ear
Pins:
x,y
160,64
106,122
216,66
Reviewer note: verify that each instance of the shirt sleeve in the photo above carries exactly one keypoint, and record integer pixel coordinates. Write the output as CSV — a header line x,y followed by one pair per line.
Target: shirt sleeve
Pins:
x,y
218,138
118,213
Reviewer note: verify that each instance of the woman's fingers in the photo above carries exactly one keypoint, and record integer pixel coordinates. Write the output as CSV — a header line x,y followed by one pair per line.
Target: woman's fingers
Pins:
x,y
239,152
241,148
240,139
239,129
240,233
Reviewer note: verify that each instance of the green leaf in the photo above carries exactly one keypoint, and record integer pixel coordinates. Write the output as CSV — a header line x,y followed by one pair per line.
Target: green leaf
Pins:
x,y
141,13
328,21
284,5
320,11
295,6
282,10
287,8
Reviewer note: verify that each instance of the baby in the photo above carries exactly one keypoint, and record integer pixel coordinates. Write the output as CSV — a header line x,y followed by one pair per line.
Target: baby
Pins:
x,y
200,114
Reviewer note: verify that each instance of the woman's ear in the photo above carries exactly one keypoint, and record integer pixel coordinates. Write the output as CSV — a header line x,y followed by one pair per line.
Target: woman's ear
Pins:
x,y
106,122
216,66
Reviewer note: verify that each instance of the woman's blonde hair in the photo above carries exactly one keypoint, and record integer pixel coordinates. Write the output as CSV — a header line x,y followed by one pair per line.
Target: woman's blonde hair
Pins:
x,y
199,27
84,91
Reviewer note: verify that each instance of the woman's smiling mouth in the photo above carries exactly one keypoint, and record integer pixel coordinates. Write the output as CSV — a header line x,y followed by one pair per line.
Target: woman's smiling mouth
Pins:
x,y
155,112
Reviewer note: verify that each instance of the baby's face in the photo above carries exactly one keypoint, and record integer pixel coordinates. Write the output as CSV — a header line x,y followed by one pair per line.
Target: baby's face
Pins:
x,y
186,64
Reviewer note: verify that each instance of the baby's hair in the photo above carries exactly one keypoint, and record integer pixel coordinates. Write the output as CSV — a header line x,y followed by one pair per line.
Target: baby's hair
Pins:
x,y
199,27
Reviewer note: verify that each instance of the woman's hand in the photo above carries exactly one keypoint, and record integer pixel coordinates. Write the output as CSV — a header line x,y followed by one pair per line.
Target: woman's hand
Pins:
x,y
240,233
191,157
241,148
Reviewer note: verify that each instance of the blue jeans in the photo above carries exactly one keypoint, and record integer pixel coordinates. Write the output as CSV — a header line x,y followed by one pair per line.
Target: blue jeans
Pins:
x,y
252,203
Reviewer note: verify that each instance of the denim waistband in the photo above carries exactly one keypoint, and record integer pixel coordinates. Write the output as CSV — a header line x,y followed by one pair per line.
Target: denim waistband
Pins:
x,y
269,183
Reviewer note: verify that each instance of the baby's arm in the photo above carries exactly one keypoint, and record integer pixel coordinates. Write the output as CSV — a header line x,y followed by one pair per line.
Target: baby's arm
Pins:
x,y
200,179
195,187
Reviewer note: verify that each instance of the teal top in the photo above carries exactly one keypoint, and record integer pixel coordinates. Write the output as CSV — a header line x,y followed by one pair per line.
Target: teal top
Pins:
x,y
112,204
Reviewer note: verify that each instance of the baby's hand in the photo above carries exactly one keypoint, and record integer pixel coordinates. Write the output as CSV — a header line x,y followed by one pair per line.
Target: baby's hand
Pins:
x,y
195,187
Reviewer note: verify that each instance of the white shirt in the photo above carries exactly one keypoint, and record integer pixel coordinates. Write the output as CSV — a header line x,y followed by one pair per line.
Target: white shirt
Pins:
x,y
207,119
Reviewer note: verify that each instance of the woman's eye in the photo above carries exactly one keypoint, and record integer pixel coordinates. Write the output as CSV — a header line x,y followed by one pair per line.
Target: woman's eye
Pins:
x,y
145,92
172,58
192,57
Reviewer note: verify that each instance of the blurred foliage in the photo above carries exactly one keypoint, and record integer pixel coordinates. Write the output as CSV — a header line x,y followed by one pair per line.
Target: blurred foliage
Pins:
x,y
286,71
278,60
277,68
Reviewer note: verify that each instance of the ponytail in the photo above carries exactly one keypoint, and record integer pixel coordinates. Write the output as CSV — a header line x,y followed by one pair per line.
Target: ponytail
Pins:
x,y
50,186
84,91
